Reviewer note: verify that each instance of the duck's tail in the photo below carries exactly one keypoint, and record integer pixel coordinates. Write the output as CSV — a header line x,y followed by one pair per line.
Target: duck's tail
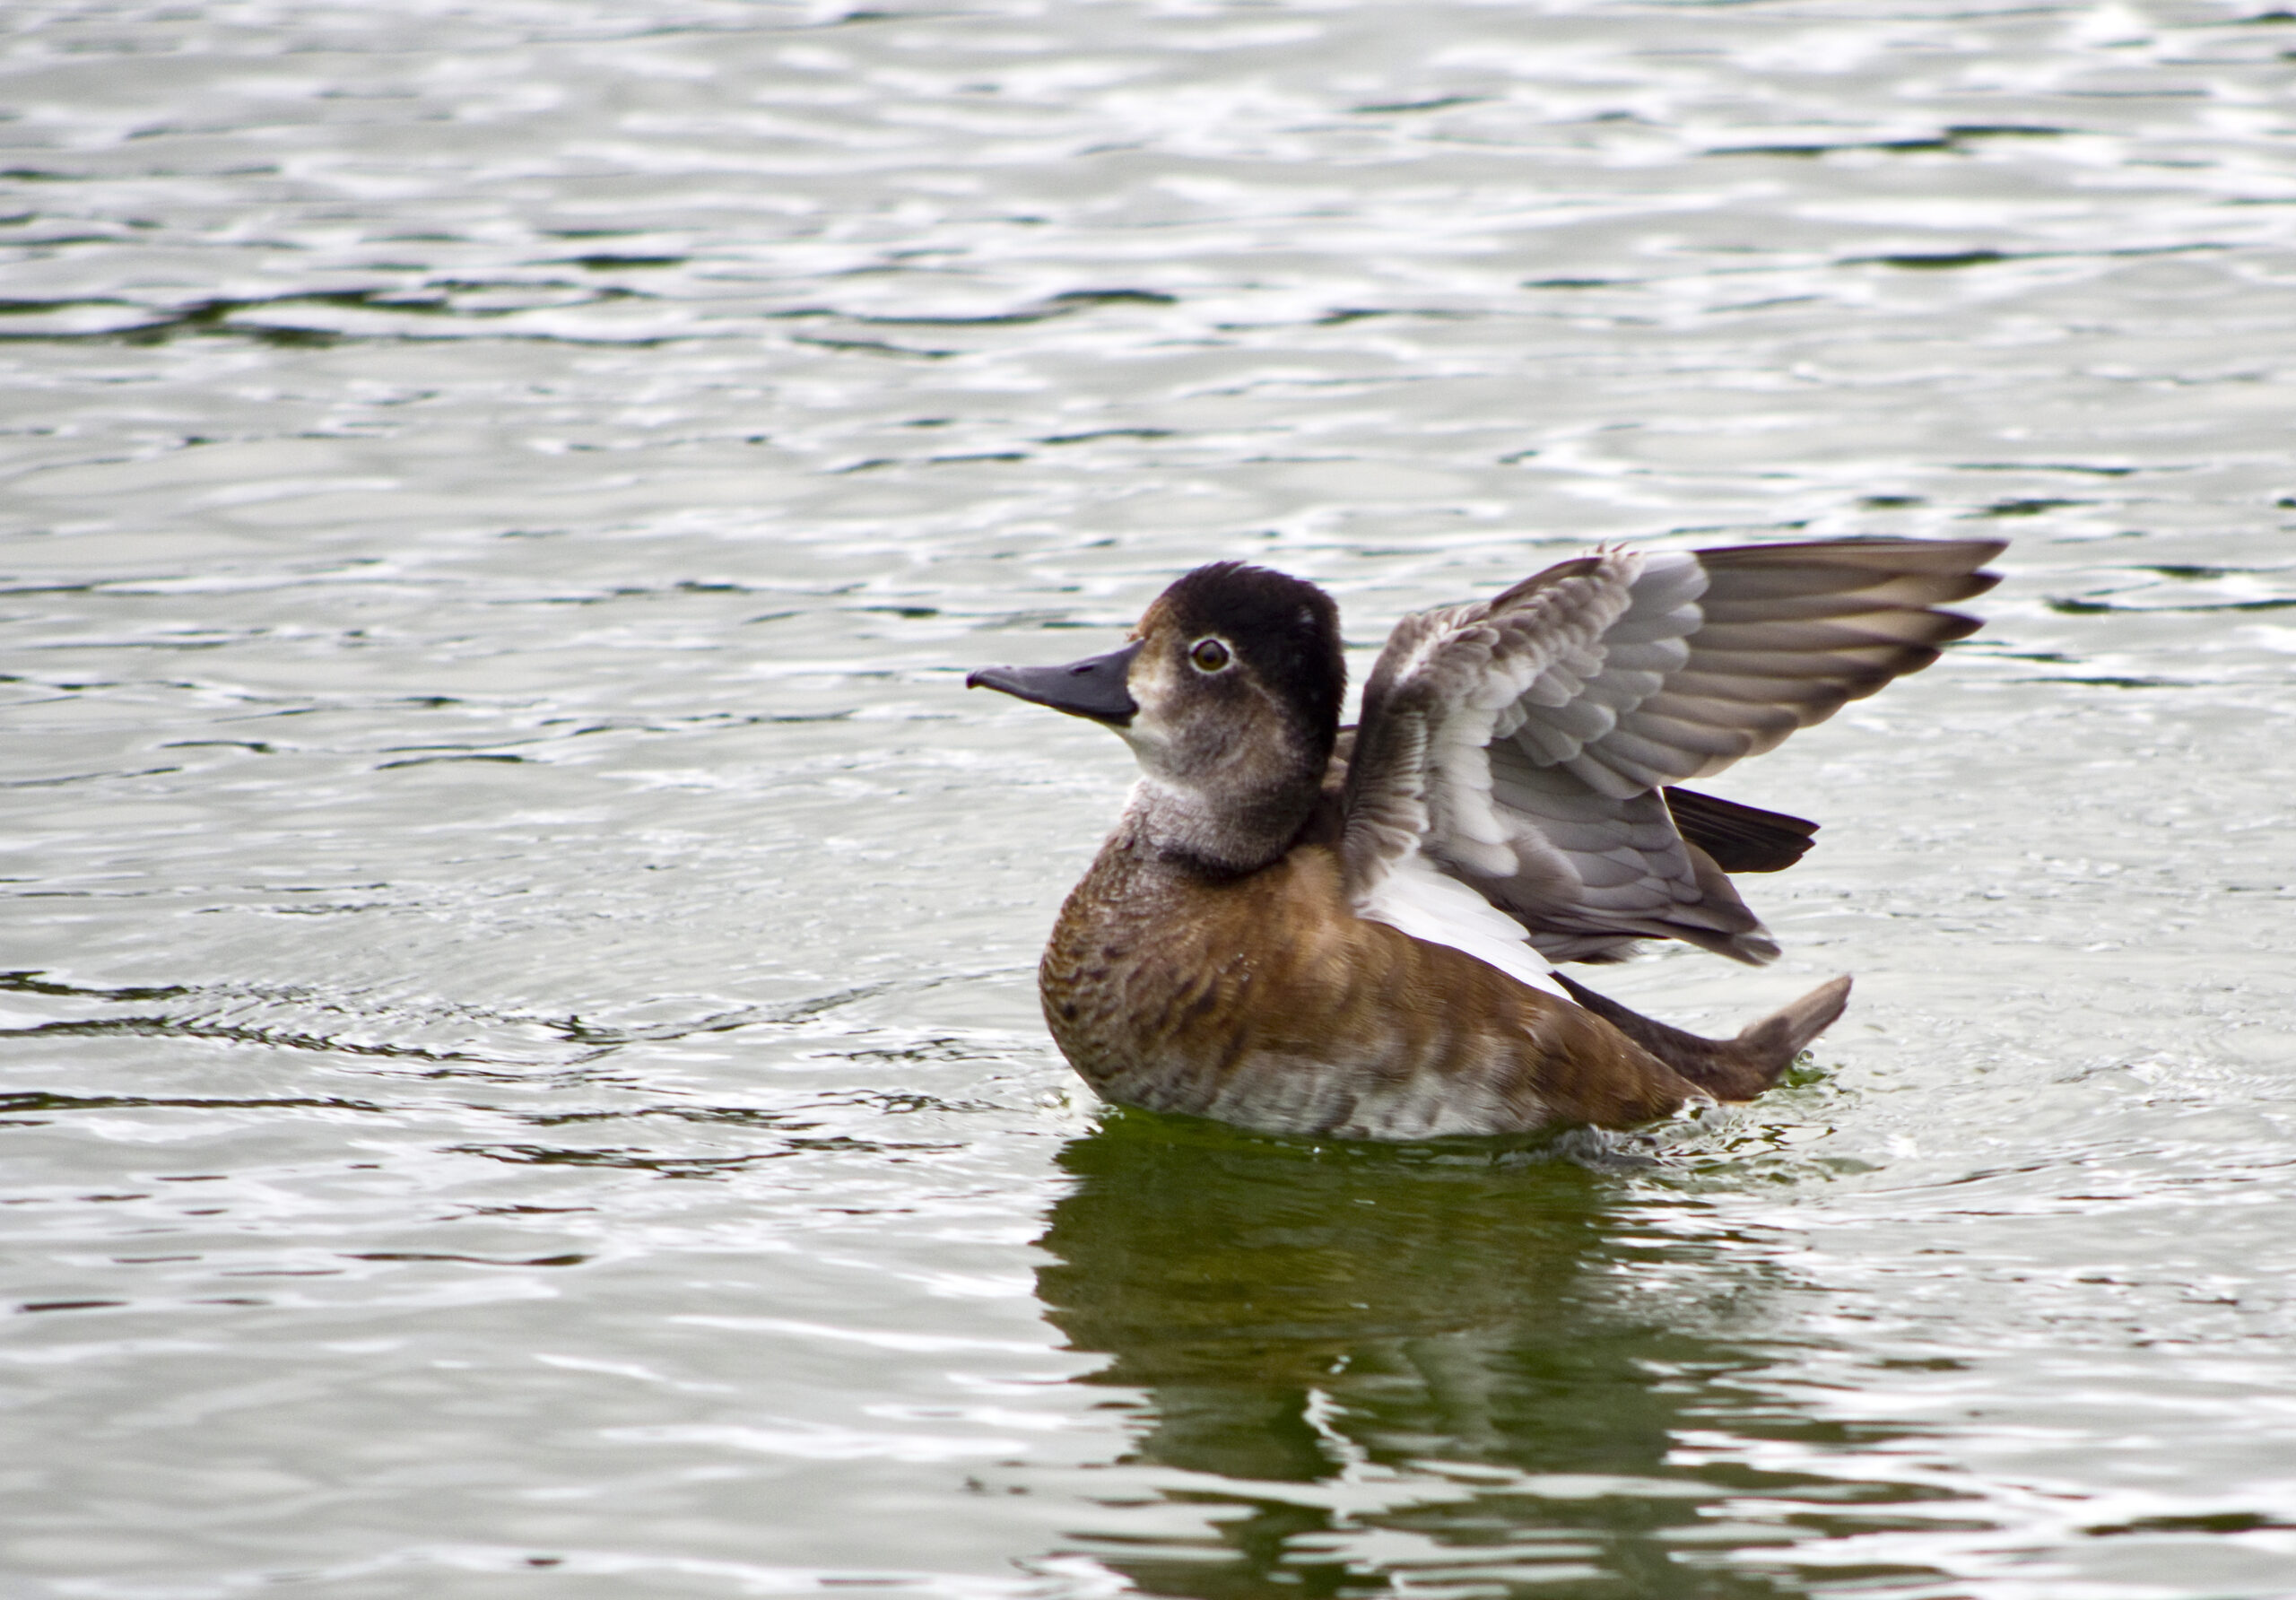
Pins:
x,y
1730,1069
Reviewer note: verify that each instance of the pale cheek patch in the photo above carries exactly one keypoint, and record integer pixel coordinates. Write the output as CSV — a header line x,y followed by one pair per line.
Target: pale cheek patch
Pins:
x,y
1149,732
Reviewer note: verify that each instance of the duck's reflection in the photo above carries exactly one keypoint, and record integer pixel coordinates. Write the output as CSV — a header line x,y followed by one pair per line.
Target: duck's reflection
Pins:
x,y
1297,1317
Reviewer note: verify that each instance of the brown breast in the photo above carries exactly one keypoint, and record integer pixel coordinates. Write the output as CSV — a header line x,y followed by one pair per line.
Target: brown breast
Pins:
x,y
1264,1001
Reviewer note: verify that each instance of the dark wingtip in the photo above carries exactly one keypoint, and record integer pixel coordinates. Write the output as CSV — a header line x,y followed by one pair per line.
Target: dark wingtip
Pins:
x,y
1741,838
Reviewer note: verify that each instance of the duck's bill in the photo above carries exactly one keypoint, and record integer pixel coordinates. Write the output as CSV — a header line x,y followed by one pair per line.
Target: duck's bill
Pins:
x,y
1093,687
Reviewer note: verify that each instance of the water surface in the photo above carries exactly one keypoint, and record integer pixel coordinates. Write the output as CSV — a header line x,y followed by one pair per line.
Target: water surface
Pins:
x,y
521,1068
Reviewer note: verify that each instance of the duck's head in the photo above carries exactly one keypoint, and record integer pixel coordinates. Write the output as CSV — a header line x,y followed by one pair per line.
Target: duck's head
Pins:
x,y
1228,694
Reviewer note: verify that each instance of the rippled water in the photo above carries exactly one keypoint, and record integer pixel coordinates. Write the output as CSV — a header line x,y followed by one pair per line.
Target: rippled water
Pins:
x,y
521,1067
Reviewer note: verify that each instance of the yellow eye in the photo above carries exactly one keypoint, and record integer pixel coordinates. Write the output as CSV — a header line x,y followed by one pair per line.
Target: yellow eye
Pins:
x,y
1209,655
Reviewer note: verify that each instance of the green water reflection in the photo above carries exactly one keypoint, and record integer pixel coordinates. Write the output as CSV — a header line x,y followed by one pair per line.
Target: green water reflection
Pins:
x,y
1385,1370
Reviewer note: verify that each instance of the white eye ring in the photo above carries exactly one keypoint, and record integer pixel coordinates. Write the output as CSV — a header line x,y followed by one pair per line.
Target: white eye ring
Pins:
x,y
1210,656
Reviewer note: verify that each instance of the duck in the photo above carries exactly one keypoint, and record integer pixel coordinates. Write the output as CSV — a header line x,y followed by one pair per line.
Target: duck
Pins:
x,y
1356,934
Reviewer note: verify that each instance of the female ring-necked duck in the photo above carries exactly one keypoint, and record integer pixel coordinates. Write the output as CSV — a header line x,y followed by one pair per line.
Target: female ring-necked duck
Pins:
x,y
1304,929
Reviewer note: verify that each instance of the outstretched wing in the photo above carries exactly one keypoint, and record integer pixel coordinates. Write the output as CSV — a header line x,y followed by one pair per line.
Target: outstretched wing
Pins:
x,y
1522,745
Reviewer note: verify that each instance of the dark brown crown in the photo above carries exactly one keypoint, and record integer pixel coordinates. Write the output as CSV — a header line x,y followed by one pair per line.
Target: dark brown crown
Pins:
x,y
1286,629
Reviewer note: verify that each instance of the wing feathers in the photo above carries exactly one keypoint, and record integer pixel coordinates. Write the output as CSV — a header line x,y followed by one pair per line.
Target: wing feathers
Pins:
x,y
1752,714
1880,629
1740,838
1734,607
1866,670
1521,744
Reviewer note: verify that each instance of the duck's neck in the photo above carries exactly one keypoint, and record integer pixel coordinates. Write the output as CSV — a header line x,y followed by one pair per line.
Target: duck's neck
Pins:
x,y
1225,837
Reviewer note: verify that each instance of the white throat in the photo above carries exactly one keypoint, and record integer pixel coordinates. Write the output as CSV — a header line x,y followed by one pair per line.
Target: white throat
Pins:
x,y
1175,821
